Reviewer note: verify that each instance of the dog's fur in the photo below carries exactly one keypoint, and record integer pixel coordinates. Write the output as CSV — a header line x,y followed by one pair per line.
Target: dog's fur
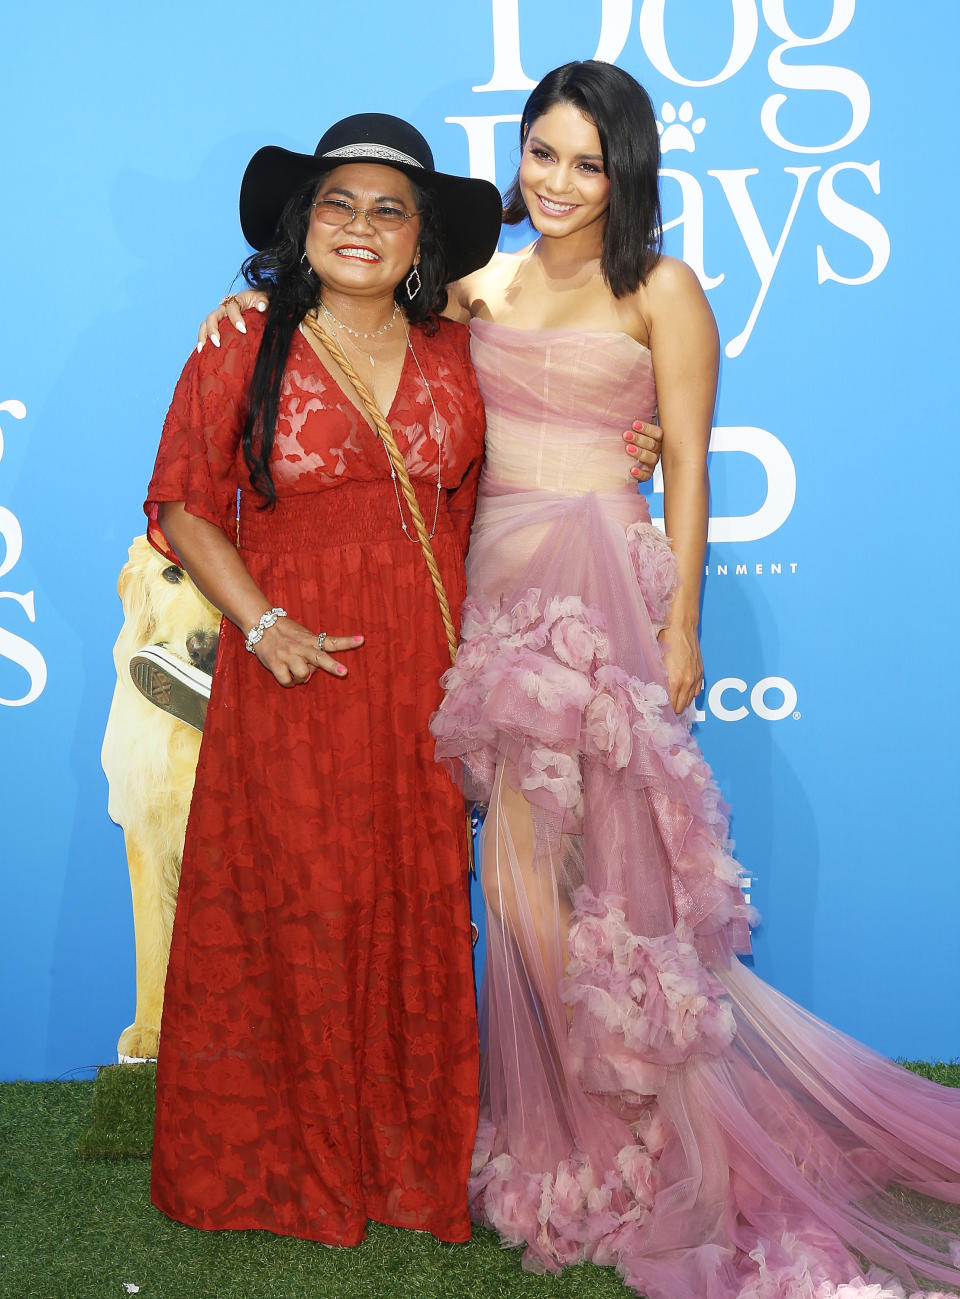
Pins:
x,y
150,760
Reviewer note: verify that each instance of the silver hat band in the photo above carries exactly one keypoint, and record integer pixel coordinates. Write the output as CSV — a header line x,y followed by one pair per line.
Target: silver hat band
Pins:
x,y
382,151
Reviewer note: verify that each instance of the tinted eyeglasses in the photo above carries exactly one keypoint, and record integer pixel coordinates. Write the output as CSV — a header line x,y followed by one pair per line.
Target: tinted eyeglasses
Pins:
x,y
383,216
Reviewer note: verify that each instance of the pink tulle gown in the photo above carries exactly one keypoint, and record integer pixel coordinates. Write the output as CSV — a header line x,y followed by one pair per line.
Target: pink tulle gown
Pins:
x,y
646,1101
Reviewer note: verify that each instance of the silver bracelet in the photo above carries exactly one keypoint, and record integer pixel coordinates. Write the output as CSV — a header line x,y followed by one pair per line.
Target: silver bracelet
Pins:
x,y
255,634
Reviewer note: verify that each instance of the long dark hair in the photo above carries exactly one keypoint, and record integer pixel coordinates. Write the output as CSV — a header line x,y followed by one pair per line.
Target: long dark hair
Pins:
x,y
620,109
281,271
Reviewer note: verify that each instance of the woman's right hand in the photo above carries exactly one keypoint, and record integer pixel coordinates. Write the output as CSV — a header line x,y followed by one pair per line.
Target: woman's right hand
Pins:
x,y
287,649
292,653
233,308
645,444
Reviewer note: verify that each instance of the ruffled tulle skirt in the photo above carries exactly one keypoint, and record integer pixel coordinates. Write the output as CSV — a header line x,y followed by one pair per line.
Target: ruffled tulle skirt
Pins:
x,y
646,1101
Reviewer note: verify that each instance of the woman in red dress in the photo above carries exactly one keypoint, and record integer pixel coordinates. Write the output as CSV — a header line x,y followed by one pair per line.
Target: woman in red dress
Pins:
x,y
318,1061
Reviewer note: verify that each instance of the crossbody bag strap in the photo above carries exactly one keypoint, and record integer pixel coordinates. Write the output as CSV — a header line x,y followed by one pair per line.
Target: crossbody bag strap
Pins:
x,y
396,460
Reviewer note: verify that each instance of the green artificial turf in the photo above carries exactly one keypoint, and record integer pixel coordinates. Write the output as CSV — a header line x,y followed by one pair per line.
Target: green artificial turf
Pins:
x,y
121,1113
75,1226
947,1074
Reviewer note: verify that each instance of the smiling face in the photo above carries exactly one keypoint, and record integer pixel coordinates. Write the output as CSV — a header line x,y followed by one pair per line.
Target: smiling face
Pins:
x,y
355,259
562,177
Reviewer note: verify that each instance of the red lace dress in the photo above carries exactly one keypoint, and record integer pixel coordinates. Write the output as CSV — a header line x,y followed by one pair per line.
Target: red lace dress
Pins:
x,y
318,1061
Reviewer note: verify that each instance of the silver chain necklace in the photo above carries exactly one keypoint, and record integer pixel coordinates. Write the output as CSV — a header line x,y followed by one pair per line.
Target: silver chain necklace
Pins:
x,y
438,434
437,429
359,333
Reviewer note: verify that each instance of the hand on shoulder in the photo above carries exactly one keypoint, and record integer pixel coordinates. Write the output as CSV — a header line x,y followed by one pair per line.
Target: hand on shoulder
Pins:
x,y
236,344
233,307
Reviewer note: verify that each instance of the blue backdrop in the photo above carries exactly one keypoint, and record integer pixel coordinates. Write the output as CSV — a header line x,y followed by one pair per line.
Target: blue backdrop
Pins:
x,y
807,179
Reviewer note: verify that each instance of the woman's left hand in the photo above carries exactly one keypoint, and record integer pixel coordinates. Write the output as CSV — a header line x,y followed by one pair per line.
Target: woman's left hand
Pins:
x,y
680,648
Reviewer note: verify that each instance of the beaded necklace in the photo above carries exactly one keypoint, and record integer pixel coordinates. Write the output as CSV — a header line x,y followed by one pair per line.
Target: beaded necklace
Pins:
x,y
359,333
437,428
437,433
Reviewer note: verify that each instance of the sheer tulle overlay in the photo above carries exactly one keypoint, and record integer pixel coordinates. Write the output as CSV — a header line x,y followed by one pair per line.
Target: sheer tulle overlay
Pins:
x,y
646,1101
318,1053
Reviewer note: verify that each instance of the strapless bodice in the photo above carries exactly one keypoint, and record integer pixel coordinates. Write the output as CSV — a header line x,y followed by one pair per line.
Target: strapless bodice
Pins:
x,y
558,402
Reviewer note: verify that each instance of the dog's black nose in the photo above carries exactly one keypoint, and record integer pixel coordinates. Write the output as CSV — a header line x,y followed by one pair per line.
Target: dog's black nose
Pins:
x,y
202,648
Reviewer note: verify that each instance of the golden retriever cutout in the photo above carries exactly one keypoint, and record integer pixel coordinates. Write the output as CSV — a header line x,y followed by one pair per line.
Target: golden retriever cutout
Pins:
x,y
164,657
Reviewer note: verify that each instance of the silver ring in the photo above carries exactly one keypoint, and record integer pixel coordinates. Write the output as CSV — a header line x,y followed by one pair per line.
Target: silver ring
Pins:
x,y
320,639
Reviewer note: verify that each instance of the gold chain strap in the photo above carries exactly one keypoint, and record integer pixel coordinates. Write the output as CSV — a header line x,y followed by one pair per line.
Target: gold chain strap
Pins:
x,y
396,459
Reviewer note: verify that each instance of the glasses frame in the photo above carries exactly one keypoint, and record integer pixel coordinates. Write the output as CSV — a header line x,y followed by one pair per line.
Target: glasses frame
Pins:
x,y
361,211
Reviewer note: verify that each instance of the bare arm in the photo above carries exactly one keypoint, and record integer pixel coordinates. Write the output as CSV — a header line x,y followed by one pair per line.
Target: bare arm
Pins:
x,y
287,649
686,358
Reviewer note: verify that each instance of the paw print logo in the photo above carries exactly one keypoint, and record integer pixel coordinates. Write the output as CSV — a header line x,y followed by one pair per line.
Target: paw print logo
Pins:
x,y
679,127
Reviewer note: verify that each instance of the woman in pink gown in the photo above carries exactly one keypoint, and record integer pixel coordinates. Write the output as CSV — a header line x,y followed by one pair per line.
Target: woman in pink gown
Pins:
x,y
646,1101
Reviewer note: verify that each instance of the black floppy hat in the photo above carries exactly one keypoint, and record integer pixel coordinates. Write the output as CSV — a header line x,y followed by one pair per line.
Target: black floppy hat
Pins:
x,y
469,210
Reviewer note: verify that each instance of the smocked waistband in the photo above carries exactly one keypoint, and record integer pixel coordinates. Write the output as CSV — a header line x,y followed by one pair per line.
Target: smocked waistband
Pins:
x,y
350,512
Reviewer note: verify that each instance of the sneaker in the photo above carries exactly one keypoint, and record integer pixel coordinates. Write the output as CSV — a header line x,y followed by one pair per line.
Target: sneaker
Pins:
x,y
174,686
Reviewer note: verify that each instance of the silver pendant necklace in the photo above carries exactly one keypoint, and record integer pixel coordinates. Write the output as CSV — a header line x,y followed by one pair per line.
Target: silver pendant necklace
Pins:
x,y
437,428
437,433
359,333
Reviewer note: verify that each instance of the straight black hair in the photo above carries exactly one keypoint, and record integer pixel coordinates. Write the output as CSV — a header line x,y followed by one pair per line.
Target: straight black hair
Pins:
x,y
282,272
620,109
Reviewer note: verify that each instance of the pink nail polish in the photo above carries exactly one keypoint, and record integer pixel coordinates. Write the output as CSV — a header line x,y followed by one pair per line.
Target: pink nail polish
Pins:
x,y
341,672
357,640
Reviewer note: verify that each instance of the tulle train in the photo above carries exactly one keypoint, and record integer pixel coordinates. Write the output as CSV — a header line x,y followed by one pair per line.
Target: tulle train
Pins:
x,y
646,1101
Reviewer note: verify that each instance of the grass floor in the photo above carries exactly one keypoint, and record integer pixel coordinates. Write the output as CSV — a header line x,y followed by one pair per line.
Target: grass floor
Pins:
x,y
74,1226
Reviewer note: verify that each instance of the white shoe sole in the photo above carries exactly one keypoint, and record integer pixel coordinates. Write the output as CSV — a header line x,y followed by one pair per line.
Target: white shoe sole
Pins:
x,y
173,686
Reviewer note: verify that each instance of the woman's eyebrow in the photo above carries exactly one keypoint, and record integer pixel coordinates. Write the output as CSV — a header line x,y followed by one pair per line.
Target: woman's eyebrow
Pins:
x,y
594,157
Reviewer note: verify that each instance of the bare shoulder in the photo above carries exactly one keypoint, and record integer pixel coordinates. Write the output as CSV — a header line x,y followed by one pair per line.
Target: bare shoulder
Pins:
x,y
499,268
673,279
482,291
462,293
675,306
501,261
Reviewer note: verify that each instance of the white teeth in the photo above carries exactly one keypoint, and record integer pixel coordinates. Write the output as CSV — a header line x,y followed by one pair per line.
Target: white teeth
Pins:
x,y
559,208
362,253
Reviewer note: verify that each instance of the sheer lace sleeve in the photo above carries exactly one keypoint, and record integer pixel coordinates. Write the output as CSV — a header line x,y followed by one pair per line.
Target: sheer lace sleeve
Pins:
x,y
462,502
199,460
